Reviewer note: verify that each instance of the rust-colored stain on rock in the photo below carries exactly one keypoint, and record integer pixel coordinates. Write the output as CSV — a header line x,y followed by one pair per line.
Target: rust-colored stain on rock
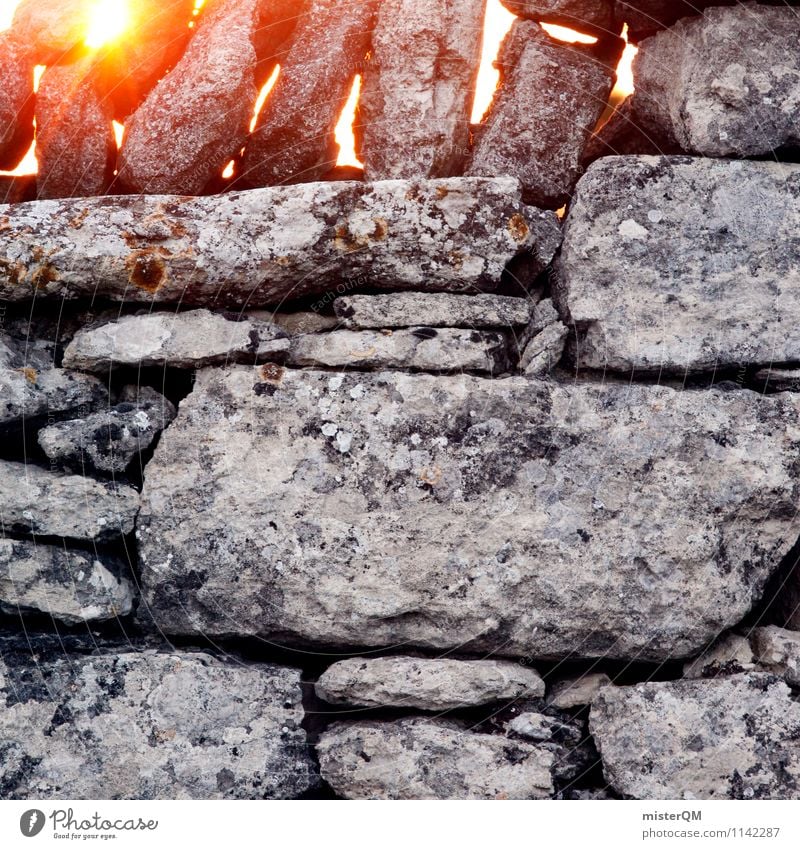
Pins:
x,y
518,227
271,373
146,269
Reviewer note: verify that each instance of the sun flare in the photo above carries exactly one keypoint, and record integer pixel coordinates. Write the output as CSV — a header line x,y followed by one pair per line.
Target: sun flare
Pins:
x,y
107,20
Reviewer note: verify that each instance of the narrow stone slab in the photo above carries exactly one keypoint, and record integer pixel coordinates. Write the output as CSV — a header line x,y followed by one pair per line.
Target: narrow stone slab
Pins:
x,y
418,348
179,340
595,17
406,309
40,502
71,586
730,654
439,684
575,692
778,379
726,738
696,269
268,245
430,759
778,650
517,516
151,726
417,95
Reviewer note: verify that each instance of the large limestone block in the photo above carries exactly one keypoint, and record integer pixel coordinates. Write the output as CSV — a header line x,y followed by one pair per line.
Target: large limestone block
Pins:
x,y
725,738
269,245
673,264
150,726
516,516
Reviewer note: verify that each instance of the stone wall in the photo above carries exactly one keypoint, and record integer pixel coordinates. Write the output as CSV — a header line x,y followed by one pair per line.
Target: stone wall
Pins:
x,y
412,485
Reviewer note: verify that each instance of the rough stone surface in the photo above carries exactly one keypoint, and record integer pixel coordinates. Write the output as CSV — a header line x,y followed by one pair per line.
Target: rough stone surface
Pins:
x,y
418,348
647,17
416,101
727,738
406,309
541,140
729,655
176,141
724,84
439,684
294,139
179,340
108,441
16,101
51,29
151,726
71,586
695,270
574,692
266,245
43,503
447,511
429,759
31,386
565,737
595,17
544,351
75,144
779,651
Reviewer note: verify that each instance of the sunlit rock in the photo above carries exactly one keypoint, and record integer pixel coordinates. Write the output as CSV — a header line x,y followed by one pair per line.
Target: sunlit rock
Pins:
x,y
16,101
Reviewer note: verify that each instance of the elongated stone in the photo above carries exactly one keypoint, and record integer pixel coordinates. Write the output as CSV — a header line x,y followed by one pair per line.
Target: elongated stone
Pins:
x,y
435,684
550,99
430,759
294,139
16,101
43,503
514,516
595,17
71,586
697,269
147,725
416,100
267,245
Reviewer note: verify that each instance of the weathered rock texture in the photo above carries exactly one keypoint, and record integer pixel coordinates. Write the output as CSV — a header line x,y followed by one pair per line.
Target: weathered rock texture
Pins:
x,y
75,143
71,586
726,738
778,650
263,246
51,29
595,17
294,140
646,17
550,98
16,101
731,654
417,96
418,348
447,511
725,84
429,759
151,726
694,270
574,692
179,340
439,684
39,502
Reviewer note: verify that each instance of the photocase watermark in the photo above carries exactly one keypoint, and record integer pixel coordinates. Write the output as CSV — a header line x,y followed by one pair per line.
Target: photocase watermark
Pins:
x,y
65,825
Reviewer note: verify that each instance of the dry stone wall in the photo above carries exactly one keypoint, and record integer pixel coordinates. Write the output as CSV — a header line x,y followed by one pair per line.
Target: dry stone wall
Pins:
x,y
413,484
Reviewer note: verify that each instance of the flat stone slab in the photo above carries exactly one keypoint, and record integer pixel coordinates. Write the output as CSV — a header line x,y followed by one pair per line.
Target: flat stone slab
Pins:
x,y
673,264
725,738
430,759
428,684
151,726
517,516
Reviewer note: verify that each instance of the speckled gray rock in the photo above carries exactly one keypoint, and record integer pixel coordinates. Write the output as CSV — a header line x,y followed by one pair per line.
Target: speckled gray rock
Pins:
x,y
75,144
778,650
574,692
695,270
590,16
417,96
443,349
516,516
174,142
44,503
71,586
297,323
108,441
406,309
294,139
151,726
16,101
179,340
31,386
542,345
727,738
266,245
729,655
647,17
428,684
725,84
430,759
541,139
